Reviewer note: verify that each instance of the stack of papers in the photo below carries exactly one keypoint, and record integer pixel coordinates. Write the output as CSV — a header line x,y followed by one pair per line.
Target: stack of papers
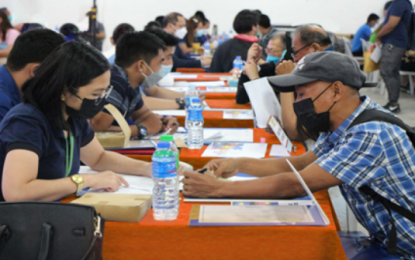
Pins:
x,y
251,213
228,135
235,150
138,184
238,114
278,150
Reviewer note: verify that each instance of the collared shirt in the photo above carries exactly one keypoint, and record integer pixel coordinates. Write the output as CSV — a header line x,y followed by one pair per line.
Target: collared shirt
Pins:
x,y
9,93
380,155
26,127
123,96
399,35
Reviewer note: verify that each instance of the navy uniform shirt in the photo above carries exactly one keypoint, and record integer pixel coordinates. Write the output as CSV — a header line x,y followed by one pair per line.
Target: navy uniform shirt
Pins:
x,y
399,35
26,127
123,96
9,93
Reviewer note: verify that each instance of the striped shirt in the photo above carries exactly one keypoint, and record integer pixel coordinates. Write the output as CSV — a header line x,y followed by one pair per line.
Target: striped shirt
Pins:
x,y
380,155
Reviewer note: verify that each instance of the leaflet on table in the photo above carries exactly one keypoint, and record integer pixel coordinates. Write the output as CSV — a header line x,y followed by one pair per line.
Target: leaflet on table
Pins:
x,y
207,89
235,150
278,150
263,100
137,184
279,132
170,112
216,134
267,213
238,114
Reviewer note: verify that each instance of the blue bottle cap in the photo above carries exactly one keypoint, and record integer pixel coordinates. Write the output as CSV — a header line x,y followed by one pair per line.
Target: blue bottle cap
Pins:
x,y
163,145
238,57
196,100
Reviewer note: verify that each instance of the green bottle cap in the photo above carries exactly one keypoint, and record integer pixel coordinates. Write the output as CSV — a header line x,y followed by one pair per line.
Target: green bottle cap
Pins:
x,y
166,138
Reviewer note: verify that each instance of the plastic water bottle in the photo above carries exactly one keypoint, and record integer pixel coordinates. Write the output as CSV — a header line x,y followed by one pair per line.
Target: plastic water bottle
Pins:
x,y
173,147
195,125
191,93
206,47
165,191
237,67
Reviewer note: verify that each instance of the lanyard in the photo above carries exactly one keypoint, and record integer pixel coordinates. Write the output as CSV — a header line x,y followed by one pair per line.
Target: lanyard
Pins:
x,y
69,154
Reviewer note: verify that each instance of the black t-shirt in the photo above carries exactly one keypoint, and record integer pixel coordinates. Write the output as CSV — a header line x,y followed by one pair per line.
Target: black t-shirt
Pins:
x,y
266,70
26,127
226,54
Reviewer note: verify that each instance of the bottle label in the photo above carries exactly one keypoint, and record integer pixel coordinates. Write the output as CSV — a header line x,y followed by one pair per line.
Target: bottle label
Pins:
x,y
164,169
195,115
187,102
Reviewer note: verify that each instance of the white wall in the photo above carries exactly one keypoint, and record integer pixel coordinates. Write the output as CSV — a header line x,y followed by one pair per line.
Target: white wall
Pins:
x,y
339,16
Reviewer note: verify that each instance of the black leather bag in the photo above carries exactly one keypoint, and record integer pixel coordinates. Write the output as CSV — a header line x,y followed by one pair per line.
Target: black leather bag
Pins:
x,y
48,230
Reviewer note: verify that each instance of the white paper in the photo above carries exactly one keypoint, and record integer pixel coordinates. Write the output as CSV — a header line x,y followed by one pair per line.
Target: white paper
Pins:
x,y
170,112
254,214
228,135
207,83
238,114
184,76
263,101
279,151
322,213
167,80
376,54
138,184
279,132
235,150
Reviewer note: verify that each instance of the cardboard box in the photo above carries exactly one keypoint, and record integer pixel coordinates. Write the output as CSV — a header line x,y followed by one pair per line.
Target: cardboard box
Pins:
x,y
118,207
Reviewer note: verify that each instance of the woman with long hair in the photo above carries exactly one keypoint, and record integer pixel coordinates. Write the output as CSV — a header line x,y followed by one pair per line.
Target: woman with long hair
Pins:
x,y
194,28
44,139
7,35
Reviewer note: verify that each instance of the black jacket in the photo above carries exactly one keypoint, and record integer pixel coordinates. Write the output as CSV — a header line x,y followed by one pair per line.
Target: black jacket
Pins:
x,y
267,70
227,52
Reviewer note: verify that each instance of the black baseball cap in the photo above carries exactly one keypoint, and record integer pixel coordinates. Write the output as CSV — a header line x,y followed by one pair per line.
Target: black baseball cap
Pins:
x,y
322,66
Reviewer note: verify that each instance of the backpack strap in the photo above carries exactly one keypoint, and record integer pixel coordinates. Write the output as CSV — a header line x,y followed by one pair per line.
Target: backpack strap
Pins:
x,y
372,115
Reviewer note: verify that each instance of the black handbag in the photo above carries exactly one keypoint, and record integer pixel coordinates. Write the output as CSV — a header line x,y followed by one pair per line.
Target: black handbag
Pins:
x,y
50,230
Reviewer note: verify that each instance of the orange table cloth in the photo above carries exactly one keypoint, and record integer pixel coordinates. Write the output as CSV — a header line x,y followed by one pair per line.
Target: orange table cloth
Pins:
x,y
215,118
152,239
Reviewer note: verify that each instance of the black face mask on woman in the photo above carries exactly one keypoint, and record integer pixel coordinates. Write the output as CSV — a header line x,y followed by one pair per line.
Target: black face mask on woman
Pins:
x,y
89,107
307,117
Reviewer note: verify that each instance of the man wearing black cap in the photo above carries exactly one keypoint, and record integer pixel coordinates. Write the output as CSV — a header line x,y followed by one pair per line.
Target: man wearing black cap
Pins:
x,y
352,151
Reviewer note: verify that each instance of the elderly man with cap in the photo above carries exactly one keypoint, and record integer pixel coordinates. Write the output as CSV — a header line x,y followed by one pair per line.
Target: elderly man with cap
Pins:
x,y
361,147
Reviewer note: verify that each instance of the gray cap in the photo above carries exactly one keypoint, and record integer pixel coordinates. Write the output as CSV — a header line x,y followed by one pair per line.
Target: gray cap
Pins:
x,y
322,66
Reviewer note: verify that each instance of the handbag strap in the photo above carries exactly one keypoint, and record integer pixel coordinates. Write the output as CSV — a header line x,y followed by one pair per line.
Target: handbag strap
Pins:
x,y
97,234
45,241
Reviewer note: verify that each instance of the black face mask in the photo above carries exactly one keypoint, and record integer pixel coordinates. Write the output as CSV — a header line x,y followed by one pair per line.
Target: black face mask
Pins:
x,y
89,109
307,117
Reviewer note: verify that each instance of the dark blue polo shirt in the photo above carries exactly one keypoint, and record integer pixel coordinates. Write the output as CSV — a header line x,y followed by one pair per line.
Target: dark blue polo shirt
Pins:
x,y
123,96
9,93
399,36
26,127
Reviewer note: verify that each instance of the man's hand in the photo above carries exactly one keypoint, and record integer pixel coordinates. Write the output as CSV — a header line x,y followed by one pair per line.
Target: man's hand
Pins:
x,y
198,185
202,95
378,41
206,61
254,53
223,168
286,67
251,70
169,123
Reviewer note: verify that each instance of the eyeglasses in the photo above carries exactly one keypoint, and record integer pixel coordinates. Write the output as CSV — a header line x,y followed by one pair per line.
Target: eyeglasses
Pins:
x,y
271,51
103,96
294,54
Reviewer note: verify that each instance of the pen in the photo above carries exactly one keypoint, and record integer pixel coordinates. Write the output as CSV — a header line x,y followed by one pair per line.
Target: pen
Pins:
x,y
153,143
202,171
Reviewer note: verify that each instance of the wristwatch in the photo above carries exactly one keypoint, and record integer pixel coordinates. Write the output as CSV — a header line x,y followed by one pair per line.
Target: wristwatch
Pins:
x,y
181,102
79,181
142,131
